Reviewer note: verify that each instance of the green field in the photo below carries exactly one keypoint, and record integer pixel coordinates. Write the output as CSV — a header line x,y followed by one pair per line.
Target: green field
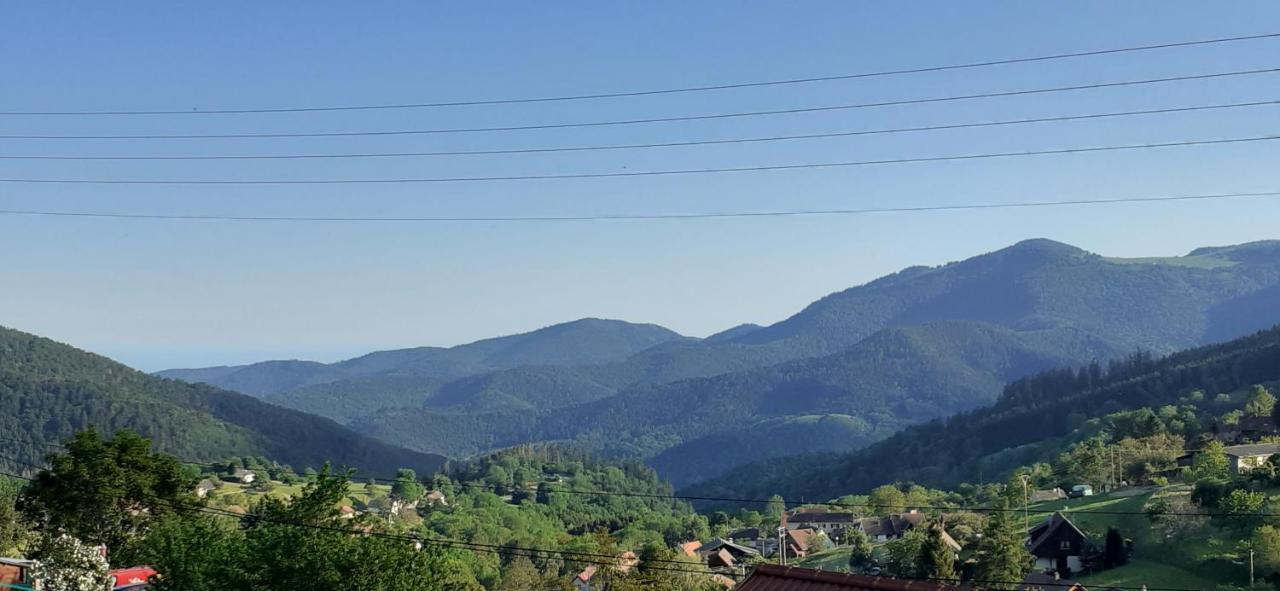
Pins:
x,y
1149,573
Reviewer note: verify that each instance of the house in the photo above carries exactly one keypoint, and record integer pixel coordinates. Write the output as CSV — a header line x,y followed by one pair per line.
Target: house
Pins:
x,y
802,542
346,512
205,487
689,549
243,476
13,572
1048,494
827,522
1058,545
627,561
723,581
771,577
881,529
582,582
435,498
1248,430
721,553
1247,457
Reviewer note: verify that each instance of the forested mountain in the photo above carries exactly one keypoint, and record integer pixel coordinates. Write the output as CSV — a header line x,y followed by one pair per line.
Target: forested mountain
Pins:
x,y
49,390
580,342
847,370
1030,422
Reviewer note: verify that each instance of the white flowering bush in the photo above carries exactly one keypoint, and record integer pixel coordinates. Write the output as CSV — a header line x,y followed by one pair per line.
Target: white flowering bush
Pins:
x,y
66,564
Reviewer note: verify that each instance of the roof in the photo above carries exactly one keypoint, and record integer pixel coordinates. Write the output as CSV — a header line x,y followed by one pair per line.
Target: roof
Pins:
x,y
891,526
1257,449
822,517
587,573
689,548
771,577
802,538
206,484
746,533
725,557
1045,530
20,562
718,543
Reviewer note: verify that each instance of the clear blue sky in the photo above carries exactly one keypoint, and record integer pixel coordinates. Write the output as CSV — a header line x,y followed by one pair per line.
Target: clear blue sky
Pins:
x,y
158,294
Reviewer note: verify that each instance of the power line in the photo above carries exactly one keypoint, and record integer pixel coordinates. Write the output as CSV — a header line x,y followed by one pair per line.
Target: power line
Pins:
x,y
636,93
670,172
649,120
757,139
620,217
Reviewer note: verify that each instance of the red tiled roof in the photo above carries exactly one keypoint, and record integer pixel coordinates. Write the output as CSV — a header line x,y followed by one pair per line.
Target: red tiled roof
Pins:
x,y
771,577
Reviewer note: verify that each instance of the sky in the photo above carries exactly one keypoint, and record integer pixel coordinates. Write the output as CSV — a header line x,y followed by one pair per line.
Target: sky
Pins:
x,y
164,293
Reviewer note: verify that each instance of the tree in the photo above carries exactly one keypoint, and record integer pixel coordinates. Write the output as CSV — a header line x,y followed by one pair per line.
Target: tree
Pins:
x,y
937,558
1001,554
67,564
107,491
886,499
407,487
861,552
520,575
1266,543
904,553
1261,403
1114,553
196,553
1211,462
12,531
1244,508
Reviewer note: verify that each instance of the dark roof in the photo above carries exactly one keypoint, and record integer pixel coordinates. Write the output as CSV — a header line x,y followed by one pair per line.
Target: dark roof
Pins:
x,y
1256,449
822,517
718,543
891,526
1046,530
771,577
746,533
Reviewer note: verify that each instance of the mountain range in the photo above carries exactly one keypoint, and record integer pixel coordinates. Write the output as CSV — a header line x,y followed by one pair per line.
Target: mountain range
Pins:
x,y
849,369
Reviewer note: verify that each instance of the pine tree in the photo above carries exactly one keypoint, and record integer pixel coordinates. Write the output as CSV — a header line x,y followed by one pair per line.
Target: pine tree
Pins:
x,y
1114,553
937,560
860,555
1003,560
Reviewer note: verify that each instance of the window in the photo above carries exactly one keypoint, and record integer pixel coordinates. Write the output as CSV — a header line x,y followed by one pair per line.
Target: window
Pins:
x,y
1065,545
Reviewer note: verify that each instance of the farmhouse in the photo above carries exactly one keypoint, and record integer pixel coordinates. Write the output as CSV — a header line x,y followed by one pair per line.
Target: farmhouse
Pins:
x,y
1057,545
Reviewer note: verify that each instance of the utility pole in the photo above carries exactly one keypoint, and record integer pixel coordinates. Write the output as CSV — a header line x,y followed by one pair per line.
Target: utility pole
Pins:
x,y
1250,567
782,546
1026,501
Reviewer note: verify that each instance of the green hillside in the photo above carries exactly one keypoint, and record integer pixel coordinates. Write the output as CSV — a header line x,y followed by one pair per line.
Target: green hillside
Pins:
x,y
49,390
1027,424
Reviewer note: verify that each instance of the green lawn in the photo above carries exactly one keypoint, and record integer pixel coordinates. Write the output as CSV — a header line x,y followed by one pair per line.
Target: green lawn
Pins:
x,y
835,559
1149,573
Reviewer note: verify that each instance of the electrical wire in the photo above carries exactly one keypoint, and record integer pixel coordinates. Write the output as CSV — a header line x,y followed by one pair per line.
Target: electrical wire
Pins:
x,y
592,148
622,217
646,173
635,93
650,120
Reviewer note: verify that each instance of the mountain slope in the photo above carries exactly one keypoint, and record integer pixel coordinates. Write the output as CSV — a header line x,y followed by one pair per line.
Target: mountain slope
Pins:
x,y
1019,428
581,342
49,390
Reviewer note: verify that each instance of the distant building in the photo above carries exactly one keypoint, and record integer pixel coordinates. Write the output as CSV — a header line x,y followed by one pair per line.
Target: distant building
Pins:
x,y
1058,545
721,553
802,542
1048,494
582,582
346,512
689,549
882,529
771,577
1247,457
827,522
435,498
205,487
243,476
